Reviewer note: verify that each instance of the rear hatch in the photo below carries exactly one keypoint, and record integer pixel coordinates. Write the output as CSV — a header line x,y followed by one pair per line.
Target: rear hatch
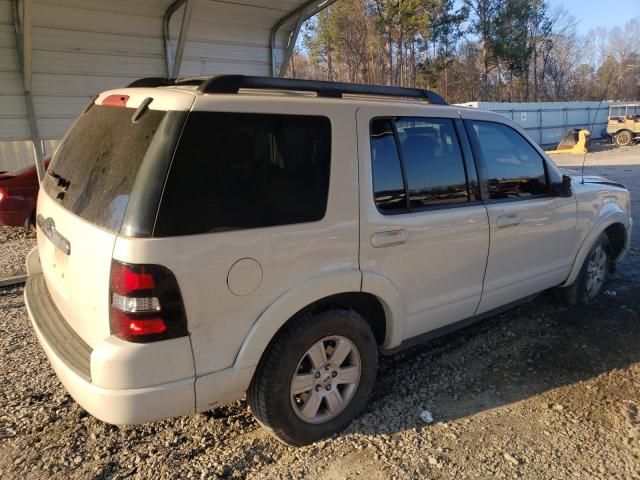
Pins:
x,y
88,187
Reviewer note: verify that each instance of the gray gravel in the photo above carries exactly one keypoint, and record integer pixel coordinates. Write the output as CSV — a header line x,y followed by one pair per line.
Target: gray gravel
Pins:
x,y
15,244
543,391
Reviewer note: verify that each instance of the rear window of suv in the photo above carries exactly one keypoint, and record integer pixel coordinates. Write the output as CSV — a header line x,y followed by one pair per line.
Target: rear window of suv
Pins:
x,y
237,171
93,169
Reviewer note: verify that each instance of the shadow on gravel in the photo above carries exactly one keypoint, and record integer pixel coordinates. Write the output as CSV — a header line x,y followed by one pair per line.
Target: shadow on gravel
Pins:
x,y
520,354
601,145
512,357
515,356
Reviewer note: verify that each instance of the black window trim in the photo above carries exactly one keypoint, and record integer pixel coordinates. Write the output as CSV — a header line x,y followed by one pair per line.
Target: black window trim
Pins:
x,y
155,234
470,169
405,182
474,200
483,177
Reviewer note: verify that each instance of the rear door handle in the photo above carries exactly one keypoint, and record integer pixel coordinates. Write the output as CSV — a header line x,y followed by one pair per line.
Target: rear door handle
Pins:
x,y
509,220
389,238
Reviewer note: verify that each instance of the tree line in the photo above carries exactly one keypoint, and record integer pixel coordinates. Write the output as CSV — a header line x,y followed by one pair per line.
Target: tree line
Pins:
x,y
487,50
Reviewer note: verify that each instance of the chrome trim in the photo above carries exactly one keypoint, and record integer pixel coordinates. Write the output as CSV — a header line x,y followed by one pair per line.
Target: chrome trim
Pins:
x,y
48,227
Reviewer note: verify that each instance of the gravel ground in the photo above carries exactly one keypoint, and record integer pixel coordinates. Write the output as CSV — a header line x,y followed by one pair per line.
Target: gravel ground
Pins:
x,y
543,391
15,243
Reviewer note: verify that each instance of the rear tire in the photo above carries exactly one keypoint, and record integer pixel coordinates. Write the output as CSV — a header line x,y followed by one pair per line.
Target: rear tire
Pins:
x,y
623,138
593,274
300,394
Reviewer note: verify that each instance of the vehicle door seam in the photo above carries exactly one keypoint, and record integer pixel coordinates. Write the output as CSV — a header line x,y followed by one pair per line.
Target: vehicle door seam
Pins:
x,y
359,199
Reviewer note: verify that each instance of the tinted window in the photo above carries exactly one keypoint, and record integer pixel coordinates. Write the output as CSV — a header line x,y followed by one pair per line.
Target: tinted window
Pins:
x,y
388,186
235,171
432,161
514,167
95,165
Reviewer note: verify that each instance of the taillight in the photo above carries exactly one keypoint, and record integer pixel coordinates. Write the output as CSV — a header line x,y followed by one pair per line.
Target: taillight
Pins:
x,y
3,194
146,304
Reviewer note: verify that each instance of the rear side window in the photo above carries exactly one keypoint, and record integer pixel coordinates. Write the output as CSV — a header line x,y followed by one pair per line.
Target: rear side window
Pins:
x,y
433,162
93,169
418,157
387,172
514,168
235,171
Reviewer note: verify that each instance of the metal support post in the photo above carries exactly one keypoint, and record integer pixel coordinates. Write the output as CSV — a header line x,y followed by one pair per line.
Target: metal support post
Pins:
x,y
173,60
22,27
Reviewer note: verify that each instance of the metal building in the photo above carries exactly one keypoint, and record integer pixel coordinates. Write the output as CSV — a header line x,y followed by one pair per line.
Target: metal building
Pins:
x,y
56,54
547,122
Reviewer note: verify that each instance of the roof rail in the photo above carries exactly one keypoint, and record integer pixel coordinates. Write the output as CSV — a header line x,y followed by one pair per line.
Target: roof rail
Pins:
x,y
233,83
152,82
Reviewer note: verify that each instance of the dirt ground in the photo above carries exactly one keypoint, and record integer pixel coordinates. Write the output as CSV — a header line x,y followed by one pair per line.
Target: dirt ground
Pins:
x,y
543,391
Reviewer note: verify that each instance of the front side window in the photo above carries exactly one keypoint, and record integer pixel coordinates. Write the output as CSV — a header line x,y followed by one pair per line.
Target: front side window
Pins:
x,y
514,167
236,170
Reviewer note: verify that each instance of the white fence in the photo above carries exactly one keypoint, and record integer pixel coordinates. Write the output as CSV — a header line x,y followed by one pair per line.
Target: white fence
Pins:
x,y
547,122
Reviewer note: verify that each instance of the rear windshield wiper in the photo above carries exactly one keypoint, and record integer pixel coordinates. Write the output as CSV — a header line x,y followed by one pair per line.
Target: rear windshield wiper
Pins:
x,y
63,183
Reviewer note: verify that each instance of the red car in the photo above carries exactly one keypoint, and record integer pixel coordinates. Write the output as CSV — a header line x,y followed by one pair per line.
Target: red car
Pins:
x,y
18,195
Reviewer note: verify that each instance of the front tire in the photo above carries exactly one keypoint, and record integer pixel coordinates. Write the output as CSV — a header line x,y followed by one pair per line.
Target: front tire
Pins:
x,y
623,138
593,274
315,377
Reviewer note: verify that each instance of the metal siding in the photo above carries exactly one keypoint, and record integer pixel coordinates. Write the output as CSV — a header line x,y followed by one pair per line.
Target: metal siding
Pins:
x,y
82,47
14,124
15,156
547,122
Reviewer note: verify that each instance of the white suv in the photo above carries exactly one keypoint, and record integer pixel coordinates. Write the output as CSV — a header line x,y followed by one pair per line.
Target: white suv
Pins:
x,y
203,239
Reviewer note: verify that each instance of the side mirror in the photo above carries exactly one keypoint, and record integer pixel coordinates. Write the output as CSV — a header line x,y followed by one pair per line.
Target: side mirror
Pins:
x,y
563,189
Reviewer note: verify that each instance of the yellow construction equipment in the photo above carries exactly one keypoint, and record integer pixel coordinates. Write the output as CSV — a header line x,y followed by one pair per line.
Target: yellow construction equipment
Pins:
x,y
574,141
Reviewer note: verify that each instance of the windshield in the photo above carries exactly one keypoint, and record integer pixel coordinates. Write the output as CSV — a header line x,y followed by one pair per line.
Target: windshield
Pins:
x,y
93,170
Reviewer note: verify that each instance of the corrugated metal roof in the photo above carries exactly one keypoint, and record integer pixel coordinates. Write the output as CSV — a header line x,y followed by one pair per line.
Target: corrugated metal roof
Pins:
x,y
82,47
13,113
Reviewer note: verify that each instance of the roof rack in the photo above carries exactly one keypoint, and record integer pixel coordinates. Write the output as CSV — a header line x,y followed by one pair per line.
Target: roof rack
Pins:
x,y
233,83
153,82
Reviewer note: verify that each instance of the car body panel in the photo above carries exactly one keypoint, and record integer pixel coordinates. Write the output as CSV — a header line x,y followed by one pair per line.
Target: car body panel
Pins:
x,y
433,280
288,255
78,281
439,269
600,205
532,255
21,189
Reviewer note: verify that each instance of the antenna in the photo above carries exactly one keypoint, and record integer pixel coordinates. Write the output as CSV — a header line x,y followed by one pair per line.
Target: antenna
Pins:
x,y
604,95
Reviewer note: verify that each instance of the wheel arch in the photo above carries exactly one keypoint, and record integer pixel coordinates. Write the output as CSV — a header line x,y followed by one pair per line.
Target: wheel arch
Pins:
x,y
614,223
330,290
618,240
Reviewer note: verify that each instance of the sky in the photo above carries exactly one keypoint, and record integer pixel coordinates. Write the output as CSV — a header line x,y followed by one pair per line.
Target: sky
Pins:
x,y
599,13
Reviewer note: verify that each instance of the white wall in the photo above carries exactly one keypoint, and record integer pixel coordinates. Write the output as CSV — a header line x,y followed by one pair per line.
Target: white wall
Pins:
x,y
82,47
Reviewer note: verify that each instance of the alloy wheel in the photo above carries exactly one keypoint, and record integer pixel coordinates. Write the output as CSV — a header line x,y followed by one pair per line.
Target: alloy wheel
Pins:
x,y
325,379
596,271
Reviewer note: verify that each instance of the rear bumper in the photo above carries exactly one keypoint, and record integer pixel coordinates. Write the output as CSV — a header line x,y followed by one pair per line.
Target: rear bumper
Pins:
x,y
71,360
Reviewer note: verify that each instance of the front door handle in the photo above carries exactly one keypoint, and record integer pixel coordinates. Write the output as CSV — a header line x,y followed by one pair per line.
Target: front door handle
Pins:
x,y
389,238
509,220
